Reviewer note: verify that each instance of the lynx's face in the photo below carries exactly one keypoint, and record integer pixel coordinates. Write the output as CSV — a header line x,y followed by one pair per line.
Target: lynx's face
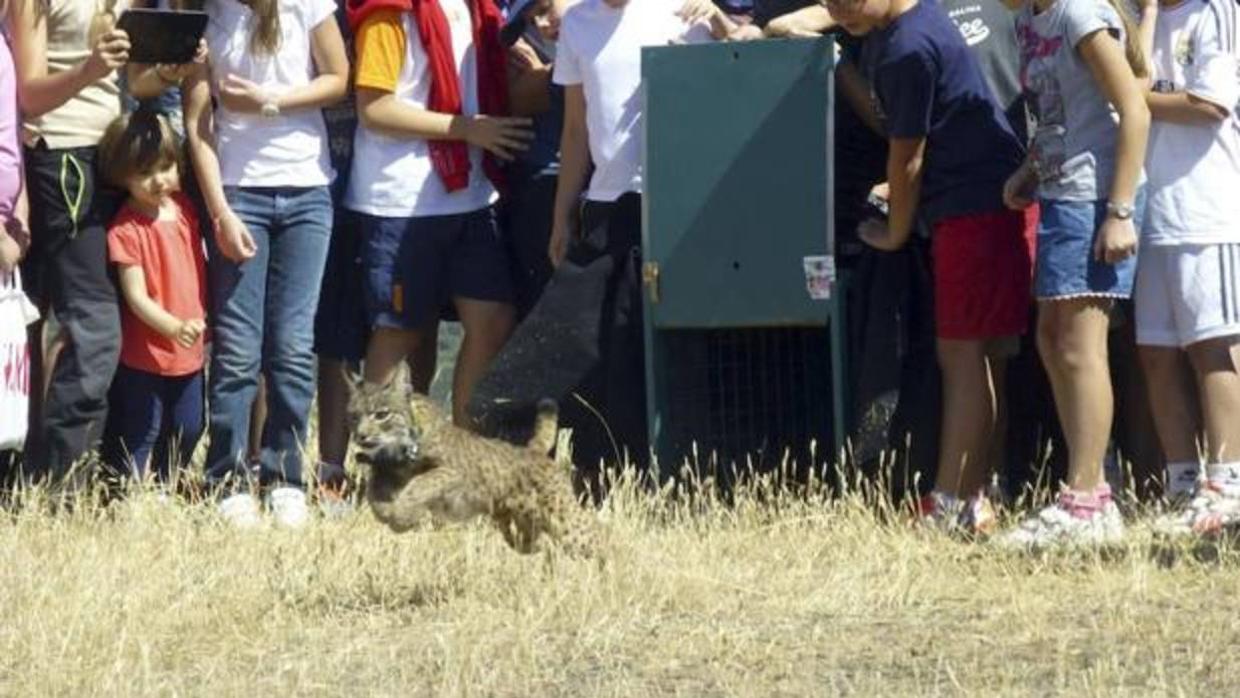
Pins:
x,y
384,434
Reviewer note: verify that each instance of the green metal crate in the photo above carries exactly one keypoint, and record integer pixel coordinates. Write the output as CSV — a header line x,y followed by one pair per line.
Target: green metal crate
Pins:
x,y
737,214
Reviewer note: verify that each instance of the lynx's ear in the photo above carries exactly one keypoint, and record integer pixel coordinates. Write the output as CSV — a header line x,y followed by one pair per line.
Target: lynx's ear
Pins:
x,y
401,379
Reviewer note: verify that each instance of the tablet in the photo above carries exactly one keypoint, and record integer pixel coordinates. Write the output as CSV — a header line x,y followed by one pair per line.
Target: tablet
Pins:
x,y
162,36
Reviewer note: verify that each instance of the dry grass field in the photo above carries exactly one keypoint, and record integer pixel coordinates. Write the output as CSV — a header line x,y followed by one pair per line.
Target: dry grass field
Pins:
x,y
770,596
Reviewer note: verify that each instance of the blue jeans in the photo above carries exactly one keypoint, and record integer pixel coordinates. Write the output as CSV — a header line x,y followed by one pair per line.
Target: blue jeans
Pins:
x,y
154,421
262,317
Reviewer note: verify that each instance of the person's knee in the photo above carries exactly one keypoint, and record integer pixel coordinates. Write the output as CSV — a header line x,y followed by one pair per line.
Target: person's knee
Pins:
x,y
1064,347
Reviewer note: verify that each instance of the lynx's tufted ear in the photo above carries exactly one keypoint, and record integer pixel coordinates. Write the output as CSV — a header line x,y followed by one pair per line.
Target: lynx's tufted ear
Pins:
x,y
400,378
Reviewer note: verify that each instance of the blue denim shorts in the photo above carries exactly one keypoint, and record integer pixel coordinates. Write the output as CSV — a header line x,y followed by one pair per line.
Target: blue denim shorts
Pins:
x,y
1066,266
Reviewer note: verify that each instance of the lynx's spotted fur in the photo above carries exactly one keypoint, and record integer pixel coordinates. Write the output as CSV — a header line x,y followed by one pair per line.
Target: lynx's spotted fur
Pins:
x,y
423,468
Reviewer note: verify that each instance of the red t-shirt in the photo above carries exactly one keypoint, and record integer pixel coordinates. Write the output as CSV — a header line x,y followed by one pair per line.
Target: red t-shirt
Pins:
x,y
172,261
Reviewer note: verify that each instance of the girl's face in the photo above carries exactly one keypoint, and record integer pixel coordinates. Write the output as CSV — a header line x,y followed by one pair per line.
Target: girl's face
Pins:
x,y
859,17
545,15
152,189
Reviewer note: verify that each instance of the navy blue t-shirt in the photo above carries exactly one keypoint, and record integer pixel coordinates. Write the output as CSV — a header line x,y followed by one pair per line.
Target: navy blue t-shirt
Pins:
x,y
927,83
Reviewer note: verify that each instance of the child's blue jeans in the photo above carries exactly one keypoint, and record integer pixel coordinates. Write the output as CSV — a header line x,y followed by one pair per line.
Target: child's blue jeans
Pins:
x,y
154,422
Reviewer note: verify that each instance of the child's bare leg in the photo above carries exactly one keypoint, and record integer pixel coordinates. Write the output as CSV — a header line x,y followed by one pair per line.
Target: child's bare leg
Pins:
x,y
968,417
333,405
997,353
1214,363
1176,416
424,360
1072,340
487,325
387,348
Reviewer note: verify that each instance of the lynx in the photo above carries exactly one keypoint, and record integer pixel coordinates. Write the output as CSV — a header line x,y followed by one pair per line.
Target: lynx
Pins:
x,y
425,469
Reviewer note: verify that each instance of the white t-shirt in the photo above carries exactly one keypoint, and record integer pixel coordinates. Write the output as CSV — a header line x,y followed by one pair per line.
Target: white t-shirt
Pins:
x,y
1194,169
600,49
394,177
256,151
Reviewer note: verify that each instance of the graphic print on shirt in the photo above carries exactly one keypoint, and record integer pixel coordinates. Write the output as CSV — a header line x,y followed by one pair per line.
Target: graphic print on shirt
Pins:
x,y
1045,99
971,22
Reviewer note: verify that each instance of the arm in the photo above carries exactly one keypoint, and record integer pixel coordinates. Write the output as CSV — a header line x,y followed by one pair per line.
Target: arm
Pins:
x,y
329,85
721,26
806,22
574,169
905,159
37,91
499,135
856,90
1184,108
529,81
146,81
231,235
185,332
1104,55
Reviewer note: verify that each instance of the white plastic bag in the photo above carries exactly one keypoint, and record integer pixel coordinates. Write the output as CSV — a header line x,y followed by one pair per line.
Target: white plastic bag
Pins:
x,y
16,312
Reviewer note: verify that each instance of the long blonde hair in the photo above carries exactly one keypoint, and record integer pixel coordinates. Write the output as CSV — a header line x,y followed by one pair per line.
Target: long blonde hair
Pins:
x,y
1132,42
265,32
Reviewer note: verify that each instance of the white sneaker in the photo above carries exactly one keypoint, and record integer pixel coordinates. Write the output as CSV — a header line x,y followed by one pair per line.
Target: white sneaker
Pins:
x,y
333,493
240,511
1057,527
1211,509
288,507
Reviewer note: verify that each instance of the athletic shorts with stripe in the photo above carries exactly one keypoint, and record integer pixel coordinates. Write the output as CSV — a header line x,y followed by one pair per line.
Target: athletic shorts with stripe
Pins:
x,y
1187,294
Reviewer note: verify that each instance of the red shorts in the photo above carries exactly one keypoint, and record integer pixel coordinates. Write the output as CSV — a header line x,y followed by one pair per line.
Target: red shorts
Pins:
x,y
983,274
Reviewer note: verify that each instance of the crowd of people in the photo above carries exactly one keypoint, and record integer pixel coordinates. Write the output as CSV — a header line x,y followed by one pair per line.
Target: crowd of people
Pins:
x,y
216,242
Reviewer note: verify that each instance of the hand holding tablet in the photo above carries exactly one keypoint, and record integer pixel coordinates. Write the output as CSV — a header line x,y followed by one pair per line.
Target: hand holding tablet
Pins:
x,y
163,36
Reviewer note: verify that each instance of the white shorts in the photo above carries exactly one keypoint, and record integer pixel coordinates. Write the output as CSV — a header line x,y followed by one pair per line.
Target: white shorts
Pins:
x,y
1187,294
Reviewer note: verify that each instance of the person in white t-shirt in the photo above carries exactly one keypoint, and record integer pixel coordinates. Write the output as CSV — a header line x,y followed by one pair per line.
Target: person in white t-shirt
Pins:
x,y
432,99
598,61
261,158
1188,279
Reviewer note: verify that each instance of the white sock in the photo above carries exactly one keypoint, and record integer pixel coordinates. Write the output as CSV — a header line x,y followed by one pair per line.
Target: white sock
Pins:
x,y
1182,477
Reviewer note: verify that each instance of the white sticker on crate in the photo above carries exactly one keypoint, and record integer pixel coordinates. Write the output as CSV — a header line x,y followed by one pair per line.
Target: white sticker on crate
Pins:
x,y
819,276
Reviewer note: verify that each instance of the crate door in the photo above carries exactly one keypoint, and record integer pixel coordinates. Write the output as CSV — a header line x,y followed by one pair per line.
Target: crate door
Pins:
x,y
737,167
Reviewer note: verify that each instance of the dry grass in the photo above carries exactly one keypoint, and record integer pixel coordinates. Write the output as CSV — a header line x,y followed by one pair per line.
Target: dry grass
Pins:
x,y
785,597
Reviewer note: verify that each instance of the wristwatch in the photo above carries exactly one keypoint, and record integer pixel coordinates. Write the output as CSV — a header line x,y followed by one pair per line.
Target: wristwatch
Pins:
x,y
270,109
1121,212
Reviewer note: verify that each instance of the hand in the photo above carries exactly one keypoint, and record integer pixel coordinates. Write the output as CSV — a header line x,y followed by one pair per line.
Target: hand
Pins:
x,y
234,239
502,136
1115,241
1020,188
746,32
10,253
242,96
16,229
111,51
694,11
876,234
175,74
188,332
523,58
561,234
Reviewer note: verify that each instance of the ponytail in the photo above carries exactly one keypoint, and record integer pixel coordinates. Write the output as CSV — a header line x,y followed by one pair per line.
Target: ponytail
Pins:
x,y
1132,40
265,30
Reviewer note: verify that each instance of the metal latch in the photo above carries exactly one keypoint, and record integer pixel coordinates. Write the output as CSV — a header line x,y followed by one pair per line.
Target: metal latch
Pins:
x,y
650,279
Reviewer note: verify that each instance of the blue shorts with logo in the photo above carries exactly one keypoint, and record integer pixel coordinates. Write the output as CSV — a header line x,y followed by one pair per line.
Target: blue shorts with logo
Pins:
x,y
415,267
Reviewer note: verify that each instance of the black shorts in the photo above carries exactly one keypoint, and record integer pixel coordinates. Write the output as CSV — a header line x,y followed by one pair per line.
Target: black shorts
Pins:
x,y
340,328
415,267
